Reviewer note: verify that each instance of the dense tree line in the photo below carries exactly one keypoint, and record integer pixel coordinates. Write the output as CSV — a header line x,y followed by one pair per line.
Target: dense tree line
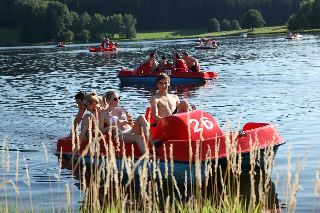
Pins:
x,y
168,14
146,14
42,21
307,17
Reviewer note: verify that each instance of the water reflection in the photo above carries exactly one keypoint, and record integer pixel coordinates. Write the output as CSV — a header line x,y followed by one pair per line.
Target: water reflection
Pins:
x,y
182,90
261,79
259,187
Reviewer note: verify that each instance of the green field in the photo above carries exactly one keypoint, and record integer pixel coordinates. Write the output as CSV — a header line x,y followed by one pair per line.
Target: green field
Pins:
x,y
202,32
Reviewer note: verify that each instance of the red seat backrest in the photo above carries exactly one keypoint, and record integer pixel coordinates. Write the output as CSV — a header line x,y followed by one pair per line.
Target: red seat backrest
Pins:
x,y
142,70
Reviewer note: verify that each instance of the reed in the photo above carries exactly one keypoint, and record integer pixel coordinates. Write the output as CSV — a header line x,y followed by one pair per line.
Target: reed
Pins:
x,y
112,186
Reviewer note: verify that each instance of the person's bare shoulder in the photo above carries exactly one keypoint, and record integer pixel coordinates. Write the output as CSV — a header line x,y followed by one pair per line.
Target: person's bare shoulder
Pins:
x,y
173,95
122,109
154,99
103,113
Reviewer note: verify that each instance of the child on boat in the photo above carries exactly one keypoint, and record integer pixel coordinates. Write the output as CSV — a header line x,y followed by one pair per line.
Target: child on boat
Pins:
x,y
164,104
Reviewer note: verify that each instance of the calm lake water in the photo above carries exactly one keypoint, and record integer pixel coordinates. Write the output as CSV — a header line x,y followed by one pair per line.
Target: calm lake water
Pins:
x,y
261,79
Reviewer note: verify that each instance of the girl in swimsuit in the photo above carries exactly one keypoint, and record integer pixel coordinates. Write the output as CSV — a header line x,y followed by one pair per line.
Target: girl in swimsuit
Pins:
x,y
91,103
130,132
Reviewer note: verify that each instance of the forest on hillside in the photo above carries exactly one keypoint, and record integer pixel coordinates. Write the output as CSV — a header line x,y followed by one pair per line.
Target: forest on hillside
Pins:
x,y
166,14
93,20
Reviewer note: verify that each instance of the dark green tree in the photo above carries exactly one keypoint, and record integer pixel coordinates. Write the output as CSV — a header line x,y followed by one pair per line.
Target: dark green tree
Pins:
x,y
97,27
84,21
84,36
225,25
116,24
303,18
293,23
251,19
67,36
316,14
304,15
235,25
57,20
213,25
129,23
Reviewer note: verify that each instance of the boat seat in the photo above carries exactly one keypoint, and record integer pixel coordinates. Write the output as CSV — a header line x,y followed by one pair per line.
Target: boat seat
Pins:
x,y
143,70
176,127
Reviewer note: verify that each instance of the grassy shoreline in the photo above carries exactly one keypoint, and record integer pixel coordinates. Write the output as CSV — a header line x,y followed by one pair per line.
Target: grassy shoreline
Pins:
x,y
11,37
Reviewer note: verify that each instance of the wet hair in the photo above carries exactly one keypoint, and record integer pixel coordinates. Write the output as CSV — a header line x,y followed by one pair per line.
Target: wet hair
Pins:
x,y
107,96
186,53
92,97
164,57
162,76
177,55
80,95
152,54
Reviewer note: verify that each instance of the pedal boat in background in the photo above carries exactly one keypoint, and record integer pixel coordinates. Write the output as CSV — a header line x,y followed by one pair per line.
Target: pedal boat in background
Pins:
x,y
99,49
204,142
203,47
144,75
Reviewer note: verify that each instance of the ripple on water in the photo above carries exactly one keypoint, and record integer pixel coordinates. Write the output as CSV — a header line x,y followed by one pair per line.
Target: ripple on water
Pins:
x,y
260,79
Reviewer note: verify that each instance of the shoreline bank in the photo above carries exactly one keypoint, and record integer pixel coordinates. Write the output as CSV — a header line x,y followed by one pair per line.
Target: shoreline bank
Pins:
x,y
193,33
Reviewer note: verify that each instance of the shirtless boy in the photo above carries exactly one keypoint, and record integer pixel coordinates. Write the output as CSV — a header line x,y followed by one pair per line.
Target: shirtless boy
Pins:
x,y
163,103
191,62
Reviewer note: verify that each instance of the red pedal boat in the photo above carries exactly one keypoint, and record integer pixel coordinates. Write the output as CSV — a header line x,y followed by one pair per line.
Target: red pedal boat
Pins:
x,y
99,49
144,75
206,47
61,45
205,138
201,39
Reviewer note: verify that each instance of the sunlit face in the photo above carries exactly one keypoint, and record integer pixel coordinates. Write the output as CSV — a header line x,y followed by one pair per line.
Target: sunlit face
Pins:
x,y
114,100
80,104
185,57
89,106
163,84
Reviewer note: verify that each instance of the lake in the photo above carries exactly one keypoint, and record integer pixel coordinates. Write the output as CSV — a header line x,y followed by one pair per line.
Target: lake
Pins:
x,y
260,79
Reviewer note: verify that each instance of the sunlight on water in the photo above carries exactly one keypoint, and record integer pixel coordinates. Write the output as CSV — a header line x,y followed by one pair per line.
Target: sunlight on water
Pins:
x,y
262,79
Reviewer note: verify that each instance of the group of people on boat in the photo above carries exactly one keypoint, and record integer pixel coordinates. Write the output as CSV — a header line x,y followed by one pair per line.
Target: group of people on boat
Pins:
x,y
209,42
105,43
296,35
119,122
185,63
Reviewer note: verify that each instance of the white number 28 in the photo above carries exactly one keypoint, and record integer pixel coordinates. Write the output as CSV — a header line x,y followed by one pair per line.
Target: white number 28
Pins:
x,y
205,122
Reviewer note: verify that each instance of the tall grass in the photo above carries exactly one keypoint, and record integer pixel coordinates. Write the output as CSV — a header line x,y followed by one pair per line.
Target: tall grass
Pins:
x,y
112,186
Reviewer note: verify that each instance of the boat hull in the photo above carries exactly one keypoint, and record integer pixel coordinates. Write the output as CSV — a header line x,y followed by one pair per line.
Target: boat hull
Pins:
x,y
98,49
144,75
205,47
199,141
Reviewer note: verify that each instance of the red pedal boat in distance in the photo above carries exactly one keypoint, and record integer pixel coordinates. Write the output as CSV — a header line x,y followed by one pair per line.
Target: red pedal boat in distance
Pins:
x,y
144,75
61,45
205,138
206,47
201,39
99,49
